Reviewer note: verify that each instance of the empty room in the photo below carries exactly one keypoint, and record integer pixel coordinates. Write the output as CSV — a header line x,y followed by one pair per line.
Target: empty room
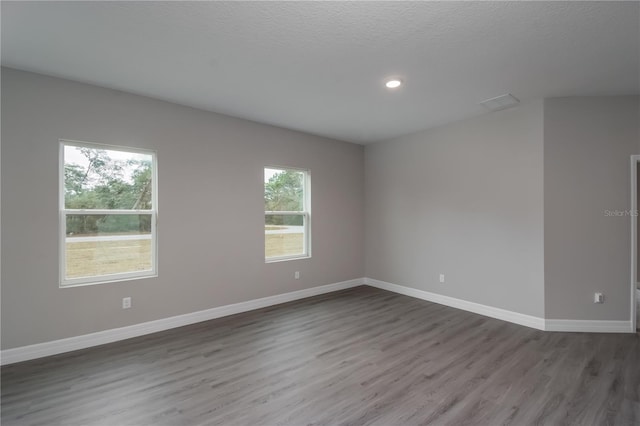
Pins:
x,y
320,213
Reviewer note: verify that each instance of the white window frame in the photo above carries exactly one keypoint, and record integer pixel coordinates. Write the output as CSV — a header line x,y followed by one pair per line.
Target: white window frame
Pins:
x,y
306,216
106,278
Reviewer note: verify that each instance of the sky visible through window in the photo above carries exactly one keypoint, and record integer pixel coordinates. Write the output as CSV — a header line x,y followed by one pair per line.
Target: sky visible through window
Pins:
x,y
73,155
269,173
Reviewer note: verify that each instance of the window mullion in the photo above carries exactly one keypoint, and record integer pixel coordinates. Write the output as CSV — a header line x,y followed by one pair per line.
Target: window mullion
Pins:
x,y
106,211
285,213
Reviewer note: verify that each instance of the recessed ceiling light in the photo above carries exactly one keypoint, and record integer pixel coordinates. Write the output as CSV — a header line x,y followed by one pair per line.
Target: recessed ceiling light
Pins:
x,y
393,83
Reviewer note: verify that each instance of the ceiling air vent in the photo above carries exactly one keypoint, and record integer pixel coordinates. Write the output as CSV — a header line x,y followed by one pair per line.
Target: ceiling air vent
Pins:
x,y
500,102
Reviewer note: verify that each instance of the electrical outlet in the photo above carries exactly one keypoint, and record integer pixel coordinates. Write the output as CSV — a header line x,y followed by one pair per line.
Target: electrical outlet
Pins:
x,y
441,278
296,275
126,302
598,298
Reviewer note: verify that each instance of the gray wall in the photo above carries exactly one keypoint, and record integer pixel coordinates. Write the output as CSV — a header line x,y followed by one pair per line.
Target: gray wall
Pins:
x,y
465,200
211,249
509,206
587,144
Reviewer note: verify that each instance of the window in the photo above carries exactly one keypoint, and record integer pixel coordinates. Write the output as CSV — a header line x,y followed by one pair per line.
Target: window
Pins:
x,y
286,214
108,209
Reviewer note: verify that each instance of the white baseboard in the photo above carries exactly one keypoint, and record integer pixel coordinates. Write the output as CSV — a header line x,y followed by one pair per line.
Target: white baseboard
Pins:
x,y
489,311
586,326
25,353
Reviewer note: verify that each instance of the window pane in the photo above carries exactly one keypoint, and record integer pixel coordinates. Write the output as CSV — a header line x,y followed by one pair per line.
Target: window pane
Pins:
x,y
284,235
283,190
107,244
106,179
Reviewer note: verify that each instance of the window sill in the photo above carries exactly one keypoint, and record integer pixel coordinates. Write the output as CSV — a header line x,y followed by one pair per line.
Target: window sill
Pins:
x,y
107,280
285,259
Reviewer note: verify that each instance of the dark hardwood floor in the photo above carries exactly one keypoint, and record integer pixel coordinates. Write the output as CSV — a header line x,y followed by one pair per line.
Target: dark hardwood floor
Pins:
x,y
355,357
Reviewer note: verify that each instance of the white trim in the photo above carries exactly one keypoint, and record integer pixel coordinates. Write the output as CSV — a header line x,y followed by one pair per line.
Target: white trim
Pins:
x,y
305,213
90,212
285,213
39,350
489,311
587,326
111,147
127,237
65,282
286,258
635,159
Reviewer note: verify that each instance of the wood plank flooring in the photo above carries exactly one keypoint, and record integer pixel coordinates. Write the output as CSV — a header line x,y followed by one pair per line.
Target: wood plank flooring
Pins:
x,y
357,357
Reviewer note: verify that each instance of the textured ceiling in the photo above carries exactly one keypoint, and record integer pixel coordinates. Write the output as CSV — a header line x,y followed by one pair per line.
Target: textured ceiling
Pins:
x,y
319,67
